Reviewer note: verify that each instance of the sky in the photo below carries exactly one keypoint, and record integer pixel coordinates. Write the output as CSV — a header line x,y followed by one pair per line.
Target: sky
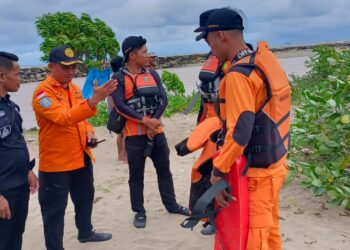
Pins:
x,y
168,24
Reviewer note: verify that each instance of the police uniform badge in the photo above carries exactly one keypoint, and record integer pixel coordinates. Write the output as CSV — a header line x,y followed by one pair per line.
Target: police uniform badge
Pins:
x,y
2,113
5,131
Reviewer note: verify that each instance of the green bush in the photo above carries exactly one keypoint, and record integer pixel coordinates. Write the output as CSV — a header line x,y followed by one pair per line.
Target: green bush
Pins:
x,y
321,127
176,94
179,103
172,83
100,119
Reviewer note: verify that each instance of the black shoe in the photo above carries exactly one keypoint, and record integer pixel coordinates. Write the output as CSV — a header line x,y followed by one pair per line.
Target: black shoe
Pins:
x,y
95,237
140,220
181,210
208,229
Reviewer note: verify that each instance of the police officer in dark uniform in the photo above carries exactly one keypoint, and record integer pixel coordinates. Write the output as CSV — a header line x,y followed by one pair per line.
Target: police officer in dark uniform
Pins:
x,y
16,176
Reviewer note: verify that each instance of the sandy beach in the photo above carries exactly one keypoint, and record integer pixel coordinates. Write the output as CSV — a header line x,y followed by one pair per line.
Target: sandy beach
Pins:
x,y
307,222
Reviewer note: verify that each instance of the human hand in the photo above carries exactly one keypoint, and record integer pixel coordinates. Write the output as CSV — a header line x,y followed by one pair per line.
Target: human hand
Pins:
x,y
151,133
90,135
33,182
223,198
5,212
100,93
151,123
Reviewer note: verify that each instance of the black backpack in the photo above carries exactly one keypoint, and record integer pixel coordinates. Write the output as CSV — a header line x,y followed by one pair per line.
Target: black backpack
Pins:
x,y
115,122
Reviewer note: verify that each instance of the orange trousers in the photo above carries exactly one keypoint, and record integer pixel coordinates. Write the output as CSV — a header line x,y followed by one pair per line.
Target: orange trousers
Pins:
x,y
264,232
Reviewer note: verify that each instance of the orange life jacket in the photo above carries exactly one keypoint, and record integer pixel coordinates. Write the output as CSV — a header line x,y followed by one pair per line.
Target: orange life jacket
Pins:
x,y
210,76
270,137
142,95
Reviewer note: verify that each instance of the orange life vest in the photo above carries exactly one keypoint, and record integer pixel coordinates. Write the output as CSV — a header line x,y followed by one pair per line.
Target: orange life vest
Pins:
x,y
142,94
270,137
210,76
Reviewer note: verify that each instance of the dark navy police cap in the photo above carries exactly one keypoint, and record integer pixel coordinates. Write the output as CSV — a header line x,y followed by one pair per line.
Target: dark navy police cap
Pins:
x,y
203,19
223,19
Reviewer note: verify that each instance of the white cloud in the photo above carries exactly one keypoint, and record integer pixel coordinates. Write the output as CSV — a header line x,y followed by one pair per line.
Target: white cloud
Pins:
x,y
168,25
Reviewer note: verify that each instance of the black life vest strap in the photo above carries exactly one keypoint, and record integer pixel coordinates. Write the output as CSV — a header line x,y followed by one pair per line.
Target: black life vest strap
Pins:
x,y
264,129
242,54
200,210
239,56
261,149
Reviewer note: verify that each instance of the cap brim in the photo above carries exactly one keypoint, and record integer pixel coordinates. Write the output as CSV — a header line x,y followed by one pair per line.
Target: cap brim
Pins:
x,y
201,35
199,29
71,62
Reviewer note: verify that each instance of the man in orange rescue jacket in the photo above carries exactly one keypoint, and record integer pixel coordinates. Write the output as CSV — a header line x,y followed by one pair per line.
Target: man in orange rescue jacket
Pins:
x,y
141,99
254,107
65,158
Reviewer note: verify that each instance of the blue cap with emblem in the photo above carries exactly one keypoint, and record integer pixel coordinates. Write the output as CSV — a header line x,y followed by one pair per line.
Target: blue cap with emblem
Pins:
x,y
63,55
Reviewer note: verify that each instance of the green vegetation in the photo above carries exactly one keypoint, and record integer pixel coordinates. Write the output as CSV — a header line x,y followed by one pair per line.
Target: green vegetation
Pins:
x,y
100,119
92,40
172,83
320,148
176,94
